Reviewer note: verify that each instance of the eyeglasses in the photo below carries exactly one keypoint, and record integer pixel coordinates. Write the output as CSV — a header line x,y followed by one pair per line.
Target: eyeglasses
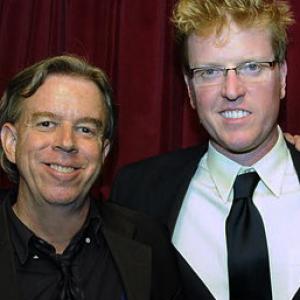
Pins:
x,y
252,71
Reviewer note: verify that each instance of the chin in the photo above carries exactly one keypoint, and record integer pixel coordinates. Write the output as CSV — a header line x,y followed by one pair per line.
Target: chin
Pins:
x,y
59,201
62,199
240,143
240,147
235,148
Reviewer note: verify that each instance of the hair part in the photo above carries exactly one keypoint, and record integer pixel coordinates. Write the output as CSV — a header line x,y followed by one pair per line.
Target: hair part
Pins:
x,y
28,81
207,17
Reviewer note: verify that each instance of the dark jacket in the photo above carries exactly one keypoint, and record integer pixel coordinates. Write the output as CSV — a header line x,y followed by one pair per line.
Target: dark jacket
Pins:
x,y
157,186
139,246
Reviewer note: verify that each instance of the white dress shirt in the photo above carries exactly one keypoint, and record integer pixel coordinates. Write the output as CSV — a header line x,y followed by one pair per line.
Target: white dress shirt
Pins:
x,y
199,233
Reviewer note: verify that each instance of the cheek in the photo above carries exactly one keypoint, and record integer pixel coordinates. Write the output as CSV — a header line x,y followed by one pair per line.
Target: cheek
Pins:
x,y
25,143
266,102
269,94
25,157
32,142
277,87
206,100
92,151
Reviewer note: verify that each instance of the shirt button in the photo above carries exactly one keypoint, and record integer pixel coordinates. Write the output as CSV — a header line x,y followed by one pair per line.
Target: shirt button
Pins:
x,y
87,240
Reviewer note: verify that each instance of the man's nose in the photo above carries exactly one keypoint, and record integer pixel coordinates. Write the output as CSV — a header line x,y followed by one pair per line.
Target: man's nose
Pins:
x,y
233,88
65,139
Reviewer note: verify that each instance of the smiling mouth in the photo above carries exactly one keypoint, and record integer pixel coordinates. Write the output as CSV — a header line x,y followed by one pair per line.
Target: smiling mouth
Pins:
x,y
62,169
235,114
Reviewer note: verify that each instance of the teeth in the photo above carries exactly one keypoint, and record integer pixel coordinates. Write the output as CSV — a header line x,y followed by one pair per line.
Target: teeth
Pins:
x,y
61,168
234,114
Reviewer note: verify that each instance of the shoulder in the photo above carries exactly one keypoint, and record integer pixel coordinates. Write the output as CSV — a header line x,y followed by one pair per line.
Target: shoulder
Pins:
x,y
3,194
163,164
151,185
141,228
174,158
295,154
118,217
144,232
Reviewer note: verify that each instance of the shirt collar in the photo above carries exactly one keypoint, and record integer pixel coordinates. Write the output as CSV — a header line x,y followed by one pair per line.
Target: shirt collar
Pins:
x,y
22,235
223,170
94,221
274,160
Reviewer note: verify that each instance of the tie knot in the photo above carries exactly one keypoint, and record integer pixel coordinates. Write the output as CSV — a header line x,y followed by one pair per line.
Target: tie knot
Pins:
x,y
245,185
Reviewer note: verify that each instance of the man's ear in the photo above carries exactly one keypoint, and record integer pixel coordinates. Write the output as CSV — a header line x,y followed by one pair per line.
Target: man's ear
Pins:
x,y
283,74
190,89
9,141
105,149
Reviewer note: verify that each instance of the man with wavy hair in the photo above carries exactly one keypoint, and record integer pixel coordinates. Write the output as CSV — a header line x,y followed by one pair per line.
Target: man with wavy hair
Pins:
x,y
56,242
231,244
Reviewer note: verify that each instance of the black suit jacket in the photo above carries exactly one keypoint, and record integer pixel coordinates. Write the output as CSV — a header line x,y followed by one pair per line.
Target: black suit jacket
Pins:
x,y
139,246
157,186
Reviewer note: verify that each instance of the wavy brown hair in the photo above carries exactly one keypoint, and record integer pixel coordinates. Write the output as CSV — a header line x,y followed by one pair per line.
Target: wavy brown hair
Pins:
x,y
28,81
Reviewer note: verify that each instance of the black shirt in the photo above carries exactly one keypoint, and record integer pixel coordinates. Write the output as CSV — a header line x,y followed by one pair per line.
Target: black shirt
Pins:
x,y
39,275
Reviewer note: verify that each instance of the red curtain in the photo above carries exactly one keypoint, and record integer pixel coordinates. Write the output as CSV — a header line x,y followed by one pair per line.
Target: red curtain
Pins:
x,y
133,41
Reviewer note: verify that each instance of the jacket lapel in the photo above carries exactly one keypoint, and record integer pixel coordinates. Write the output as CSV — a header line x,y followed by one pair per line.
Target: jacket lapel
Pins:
x,y
295,157
296,161
8,286
186,175
133,259
195,287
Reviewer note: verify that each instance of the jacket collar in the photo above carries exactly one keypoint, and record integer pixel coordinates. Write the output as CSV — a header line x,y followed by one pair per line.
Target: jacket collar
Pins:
x,y
189,171
8,284
185,177
295,157
296,161
133,258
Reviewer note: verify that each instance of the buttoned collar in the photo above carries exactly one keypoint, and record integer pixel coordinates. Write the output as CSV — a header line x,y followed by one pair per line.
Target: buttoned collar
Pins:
x,y
223,170
21,235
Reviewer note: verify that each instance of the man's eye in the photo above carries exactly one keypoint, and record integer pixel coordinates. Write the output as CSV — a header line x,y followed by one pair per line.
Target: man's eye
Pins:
x,y
45,124
251,67
208,73
87,130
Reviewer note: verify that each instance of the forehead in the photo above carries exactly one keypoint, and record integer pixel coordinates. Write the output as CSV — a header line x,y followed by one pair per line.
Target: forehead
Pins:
x,y
68,97
233,45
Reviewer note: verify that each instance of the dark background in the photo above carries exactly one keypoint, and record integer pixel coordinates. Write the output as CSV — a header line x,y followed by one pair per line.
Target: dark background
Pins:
x,y
133,42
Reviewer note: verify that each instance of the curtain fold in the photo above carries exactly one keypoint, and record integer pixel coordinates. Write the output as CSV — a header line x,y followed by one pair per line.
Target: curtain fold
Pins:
x,y
133,42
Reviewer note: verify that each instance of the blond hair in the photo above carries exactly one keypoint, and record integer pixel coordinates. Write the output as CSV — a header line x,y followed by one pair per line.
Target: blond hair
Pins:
x,y
206,17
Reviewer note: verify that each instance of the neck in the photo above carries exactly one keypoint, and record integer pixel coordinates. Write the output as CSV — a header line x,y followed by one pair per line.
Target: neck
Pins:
x,y
55,224
251,156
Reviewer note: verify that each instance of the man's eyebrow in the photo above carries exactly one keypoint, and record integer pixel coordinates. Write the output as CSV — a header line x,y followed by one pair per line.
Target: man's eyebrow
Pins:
x,y
43,114
97,122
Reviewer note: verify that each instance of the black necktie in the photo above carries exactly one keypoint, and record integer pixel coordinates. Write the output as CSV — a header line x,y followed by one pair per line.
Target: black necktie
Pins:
x,y
248,263
68,288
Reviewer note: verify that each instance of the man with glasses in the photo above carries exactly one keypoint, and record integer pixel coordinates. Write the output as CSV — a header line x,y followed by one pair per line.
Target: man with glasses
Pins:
x,y
249,71
232,205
